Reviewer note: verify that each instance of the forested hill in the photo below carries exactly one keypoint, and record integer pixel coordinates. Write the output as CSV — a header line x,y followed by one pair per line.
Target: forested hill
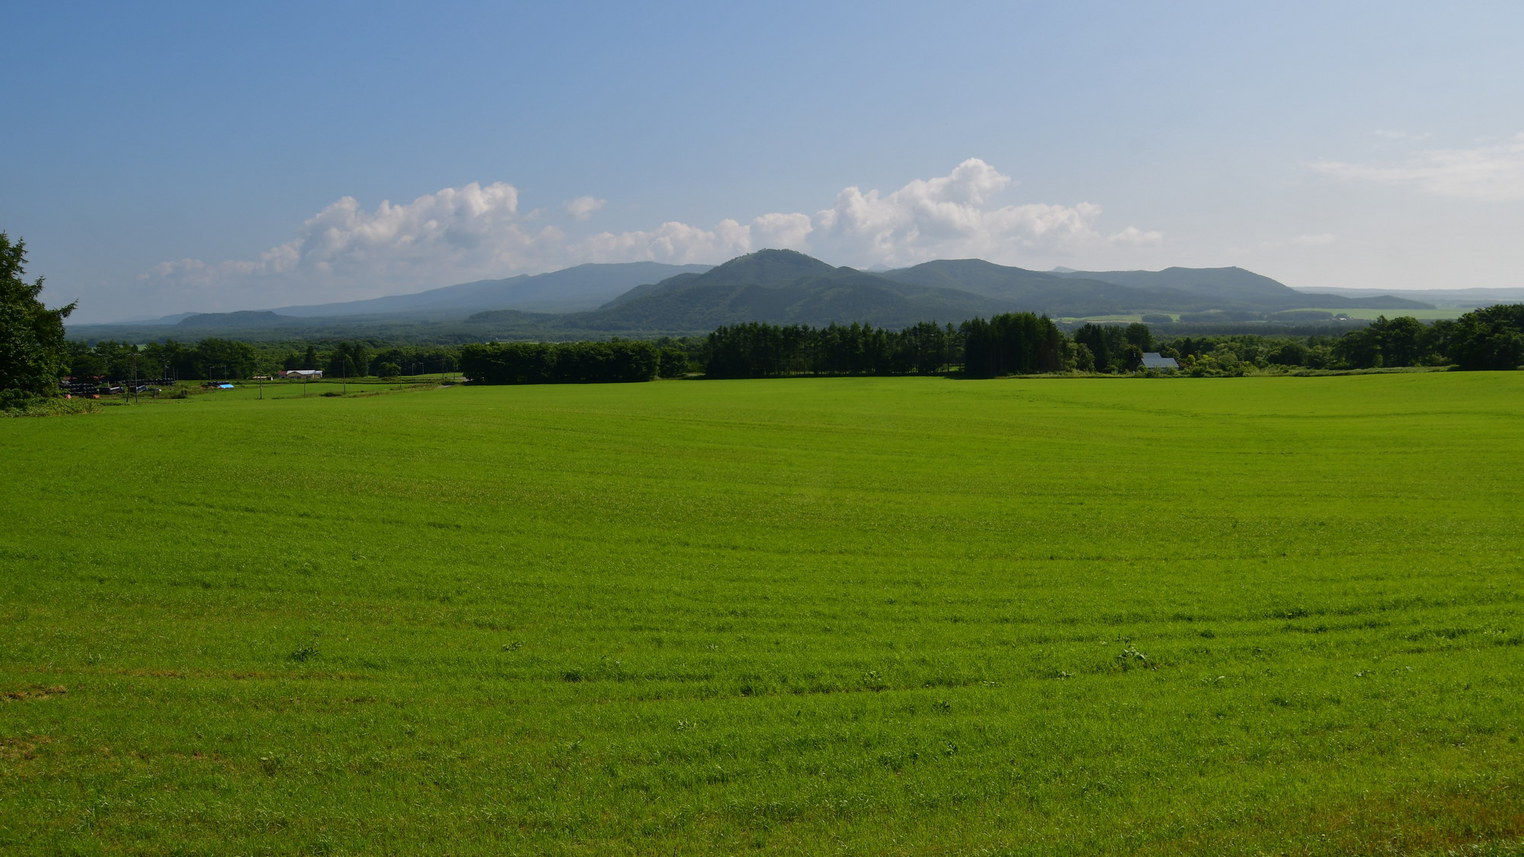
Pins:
x,y
584,287
1232,288
787,287
230,320
769,286
781,287
1051,294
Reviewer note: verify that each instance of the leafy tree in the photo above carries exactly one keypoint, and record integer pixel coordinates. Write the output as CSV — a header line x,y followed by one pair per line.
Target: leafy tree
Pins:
x,y
1084,360
83,363
1107,344
1288,353
168,359
349,359
222,358
673,362
1138,334
1132,357
1489,338
121,358
33,351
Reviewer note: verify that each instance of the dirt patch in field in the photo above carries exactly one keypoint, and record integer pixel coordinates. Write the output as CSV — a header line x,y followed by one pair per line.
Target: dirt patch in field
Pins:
x,y
22,749
33,692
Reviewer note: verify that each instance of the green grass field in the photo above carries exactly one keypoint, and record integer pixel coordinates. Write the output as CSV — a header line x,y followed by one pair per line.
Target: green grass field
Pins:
x,y
859,616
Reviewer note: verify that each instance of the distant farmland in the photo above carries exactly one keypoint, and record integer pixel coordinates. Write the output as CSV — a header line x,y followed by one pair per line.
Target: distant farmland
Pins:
x,y
862,616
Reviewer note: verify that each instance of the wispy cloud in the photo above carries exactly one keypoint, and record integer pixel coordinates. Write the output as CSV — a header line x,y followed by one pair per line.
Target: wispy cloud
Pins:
x,y
583,207
475,231
1492,172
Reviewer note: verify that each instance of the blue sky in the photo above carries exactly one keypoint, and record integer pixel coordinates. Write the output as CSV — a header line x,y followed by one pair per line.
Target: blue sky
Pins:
x,y
165,157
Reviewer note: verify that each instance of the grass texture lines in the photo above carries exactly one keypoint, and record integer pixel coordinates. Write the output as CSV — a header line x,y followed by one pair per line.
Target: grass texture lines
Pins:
x,y
857,616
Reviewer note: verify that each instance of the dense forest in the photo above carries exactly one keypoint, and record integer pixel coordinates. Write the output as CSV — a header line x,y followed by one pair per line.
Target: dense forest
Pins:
x,y
1006,344
616,361
216,358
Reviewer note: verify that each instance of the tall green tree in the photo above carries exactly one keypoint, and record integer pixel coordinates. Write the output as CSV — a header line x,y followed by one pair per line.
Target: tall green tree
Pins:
x,y
33,352
1489,338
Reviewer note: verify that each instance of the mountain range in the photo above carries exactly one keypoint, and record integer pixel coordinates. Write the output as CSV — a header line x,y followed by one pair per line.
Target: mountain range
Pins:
x,y
781,287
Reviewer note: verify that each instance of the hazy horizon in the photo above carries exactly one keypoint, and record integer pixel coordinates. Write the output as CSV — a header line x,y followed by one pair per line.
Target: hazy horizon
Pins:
x,y
209,158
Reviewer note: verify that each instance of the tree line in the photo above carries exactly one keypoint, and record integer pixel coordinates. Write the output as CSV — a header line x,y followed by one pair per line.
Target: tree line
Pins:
x,y
214,358
614,361
1007,344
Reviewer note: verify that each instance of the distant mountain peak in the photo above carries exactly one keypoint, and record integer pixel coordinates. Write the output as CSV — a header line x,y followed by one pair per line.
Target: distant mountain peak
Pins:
x,y
239,318
771,266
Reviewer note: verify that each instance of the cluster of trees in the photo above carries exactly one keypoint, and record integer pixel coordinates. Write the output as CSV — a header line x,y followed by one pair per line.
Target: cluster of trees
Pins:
x,y
1111,347
120,361
570,362
110,360
1489,338
1023,343
757,350
1014,344
352,359
31,335
1007,344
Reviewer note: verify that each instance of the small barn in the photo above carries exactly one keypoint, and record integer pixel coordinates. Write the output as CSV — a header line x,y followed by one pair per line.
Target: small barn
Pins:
x,y
1153,360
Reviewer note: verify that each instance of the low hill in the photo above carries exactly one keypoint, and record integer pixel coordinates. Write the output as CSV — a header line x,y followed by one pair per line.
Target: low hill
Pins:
x,y
1231,288
1461,298
240,319
576,289
1034,291
774,286
781,287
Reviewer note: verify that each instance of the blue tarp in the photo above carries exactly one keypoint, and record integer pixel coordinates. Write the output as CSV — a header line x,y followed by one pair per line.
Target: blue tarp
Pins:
x,y
224,386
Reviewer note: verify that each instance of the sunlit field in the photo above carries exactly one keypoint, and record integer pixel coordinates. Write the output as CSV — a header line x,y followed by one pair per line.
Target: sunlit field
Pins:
x,y
860,616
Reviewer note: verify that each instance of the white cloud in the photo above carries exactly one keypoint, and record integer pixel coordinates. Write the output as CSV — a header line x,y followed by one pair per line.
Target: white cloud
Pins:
x,y
1493,172
1132,236
583,207
951,217
454,235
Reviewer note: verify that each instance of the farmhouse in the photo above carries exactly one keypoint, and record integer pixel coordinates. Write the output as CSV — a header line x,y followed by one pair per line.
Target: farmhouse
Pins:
x,y
311,374
1152,360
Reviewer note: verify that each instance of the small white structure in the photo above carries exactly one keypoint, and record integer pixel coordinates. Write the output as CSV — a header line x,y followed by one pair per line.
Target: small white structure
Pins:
x,y
310,374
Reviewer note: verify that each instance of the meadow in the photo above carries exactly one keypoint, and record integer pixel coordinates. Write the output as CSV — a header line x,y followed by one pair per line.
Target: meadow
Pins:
x,y
802,616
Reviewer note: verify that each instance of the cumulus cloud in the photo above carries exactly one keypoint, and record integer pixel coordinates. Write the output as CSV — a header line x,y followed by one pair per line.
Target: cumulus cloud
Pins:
x,y
583,207
1493,172
453,235
1132,236
949,217
349,251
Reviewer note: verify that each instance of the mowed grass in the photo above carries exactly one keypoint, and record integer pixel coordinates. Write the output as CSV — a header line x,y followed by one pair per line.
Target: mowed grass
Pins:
x,y
860,616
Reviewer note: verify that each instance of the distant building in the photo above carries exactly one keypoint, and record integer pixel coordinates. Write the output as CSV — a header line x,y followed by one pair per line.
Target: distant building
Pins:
x,y
1152,360
309,374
